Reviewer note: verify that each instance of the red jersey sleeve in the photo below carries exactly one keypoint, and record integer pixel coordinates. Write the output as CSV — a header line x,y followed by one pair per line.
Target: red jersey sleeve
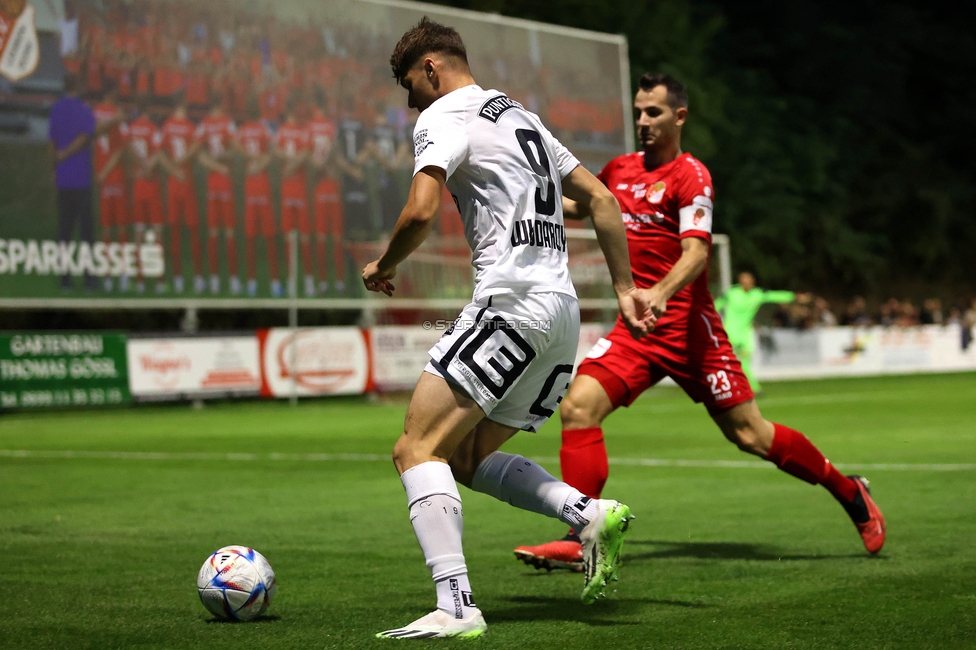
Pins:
x,y
695,202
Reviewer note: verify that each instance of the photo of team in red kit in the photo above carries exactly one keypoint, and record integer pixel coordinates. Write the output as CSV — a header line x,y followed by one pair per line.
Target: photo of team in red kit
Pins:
x,y
304,154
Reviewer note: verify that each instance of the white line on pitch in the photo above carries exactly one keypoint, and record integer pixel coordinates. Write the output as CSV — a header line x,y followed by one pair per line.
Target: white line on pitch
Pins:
x,y
638,462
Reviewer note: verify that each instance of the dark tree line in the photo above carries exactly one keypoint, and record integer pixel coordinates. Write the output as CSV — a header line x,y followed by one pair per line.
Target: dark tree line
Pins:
x,y
839,134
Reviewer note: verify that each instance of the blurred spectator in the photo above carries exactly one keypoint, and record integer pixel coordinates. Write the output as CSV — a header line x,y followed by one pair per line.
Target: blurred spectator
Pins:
x,y
856,314
823,317
71,131
968,325
907,314
931,312
889,312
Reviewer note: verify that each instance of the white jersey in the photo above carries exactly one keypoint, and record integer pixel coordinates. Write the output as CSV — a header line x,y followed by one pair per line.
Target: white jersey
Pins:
x,y
505,171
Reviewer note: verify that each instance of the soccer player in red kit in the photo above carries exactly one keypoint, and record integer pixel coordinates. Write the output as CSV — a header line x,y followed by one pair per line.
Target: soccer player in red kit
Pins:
x,y
292,145
180,145
215,135
109,148
254,141
145,143
328,200
666,198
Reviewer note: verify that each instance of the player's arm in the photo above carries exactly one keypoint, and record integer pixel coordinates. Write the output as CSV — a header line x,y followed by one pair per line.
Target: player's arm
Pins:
x,y
112,163
346,167
573,210
412,228
211,163
721,302
693,260
171,167
587,191
778,297
81,142
294,164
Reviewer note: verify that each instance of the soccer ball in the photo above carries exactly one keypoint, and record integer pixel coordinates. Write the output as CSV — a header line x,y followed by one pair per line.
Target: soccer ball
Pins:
x,y
236,583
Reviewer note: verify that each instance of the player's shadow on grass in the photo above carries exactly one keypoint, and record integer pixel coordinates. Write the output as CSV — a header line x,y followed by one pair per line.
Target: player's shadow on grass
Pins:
x,y
272,618
721,551
603,613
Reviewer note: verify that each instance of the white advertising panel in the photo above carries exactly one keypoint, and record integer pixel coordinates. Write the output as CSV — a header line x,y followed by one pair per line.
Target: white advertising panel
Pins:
x,y
849,351
400,354
193,366
314,361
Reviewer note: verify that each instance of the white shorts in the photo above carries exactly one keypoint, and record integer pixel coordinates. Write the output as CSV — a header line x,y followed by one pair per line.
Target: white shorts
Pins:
x,y
513,354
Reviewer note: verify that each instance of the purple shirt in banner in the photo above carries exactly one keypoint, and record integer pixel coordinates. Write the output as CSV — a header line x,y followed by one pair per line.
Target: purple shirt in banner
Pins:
x,y
70,117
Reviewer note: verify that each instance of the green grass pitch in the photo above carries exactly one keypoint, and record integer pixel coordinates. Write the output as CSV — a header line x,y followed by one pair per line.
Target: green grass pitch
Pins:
x,y
102,552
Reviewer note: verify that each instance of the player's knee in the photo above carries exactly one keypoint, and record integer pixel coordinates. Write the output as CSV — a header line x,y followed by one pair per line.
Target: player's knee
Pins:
x,y
575,413
405,454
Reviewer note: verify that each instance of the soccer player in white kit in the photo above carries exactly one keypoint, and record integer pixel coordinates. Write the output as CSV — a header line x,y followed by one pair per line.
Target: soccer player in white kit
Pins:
x,y
507,360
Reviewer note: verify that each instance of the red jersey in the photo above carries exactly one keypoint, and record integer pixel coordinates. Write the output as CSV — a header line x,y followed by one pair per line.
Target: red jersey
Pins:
x,y
197,89
660,208
293,140
145,141
110,143
216,134
255,138
322,133
178,136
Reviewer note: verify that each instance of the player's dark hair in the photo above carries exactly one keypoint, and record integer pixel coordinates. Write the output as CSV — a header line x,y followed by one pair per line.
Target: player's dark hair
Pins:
x,y
426,37
677,94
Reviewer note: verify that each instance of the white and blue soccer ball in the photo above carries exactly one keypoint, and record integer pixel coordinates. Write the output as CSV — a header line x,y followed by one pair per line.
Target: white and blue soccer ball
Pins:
x,y
236,583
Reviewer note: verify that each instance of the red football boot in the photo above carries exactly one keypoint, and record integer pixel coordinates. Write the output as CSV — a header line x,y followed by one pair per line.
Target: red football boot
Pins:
x,y
867,516
565,553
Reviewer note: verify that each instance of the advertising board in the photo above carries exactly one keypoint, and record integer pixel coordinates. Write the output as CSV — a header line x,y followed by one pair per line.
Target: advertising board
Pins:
x,y
194,366
62,369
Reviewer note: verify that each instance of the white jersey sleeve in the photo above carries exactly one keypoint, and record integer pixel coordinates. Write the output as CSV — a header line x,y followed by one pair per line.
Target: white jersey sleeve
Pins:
x,y
565,161
440,139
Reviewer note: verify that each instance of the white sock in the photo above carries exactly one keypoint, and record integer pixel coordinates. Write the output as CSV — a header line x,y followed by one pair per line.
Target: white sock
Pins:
x,y
524,484
437,519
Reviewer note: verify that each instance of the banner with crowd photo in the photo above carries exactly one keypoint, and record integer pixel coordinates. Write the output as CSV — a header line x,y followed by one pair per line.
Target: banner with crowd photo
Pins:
x,y
162,149
40,370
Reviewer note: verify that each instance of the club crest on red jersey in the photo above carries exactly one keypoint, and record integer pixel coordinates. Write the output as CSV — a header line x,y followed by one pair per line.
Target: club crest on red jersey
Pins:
x,y
656,192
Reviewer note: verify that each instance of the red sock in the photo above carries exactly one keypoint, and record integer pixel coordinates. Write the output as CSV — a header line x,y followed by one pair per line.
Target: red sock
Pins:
x,y
176,241
307,257
212,253
232,255
195,251
583,460
338,259
272,247
793,453
320,253
251,261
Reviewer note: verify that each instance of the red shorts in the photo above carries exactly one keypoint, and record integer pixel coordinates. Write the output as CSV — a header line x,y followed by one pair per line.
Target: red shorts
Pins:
x,y
328,212
220,201
147,206
694,351
258,212
112,207
182,201
294,214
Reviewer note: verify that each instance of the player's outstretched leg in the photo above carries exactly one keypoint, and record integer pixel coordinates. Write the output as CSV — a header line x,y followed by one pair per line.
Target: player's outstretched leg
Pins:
x,y
601,524
438,521
792,452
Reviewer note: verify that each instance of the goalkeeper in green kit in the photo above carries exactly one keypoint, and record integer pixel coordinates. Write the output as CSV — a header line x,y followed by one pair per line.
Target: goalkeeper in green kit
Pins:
x,y
738,307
